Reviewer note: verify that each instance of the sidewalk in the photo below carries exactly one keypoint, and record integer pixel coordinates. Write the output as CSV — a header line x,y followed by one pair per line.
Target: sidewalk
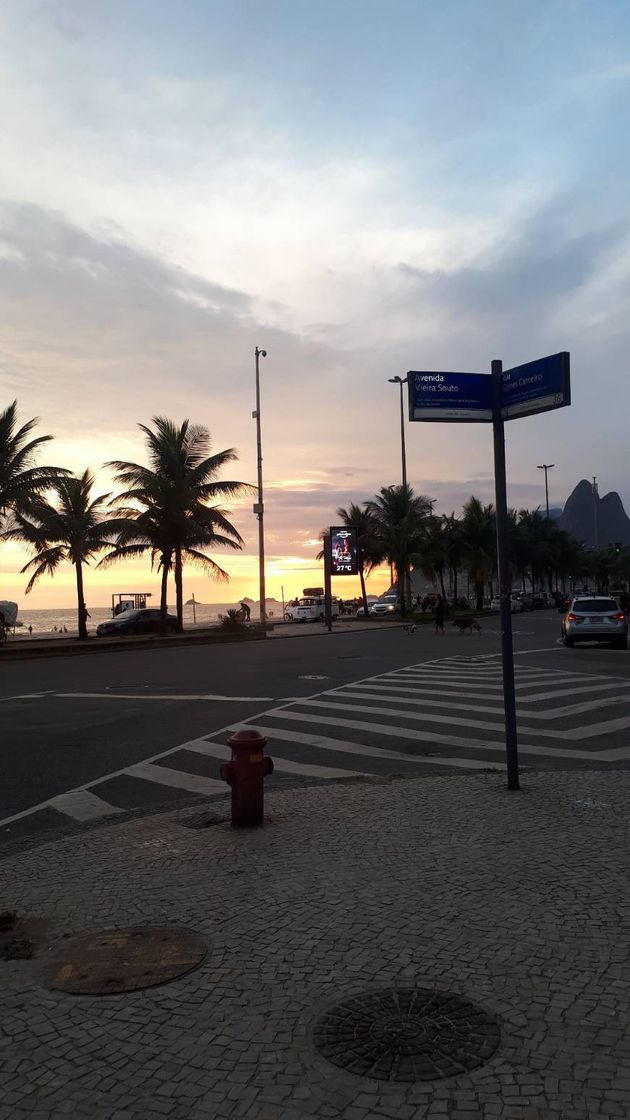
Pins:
x,y
59,645
515,902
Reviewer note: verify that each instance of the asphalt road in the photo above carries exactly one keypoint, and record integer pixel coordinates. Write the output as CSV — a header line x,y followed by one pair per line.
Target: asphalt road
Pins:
x,y
142,728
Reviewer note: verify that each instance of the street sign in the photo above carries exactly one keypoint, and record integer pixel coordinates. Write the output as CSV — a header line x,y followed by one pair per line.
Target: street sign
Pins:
x,y
502,395
536,387
438,396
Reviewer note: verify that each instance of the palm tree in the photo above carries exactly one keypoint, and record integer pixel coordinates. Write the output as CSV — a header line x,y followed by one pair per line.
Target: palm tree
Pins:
x,y
166,505
433,559
369,551
401,518
478,524
20,479
73,530
453,548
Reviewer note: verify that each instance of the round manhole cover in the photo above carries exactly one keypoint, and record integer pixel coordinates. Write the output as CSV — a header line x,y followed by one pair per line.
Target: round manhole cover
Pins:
x,y
418,1035
122,960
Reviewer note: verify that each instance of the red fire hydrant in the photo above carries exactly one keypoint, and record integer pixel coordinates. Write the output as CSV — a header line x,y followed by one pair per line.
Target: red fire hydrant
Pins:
x,y
245,774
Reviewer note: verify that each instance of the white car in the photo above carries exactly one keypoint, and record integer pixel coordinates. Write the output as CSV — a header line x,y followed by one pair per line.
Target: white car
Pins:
x,y
385,605
516,604
310,609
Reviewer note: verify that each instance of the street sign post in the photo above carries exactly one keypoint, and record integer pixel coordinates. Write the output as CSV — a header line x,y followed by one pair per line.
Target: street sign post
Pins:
x,y
501,395
507,643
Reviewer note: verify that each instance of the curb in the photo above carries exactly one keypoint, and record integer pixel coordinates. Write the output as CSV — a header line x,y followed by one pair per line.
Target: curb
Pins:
x,y
76,648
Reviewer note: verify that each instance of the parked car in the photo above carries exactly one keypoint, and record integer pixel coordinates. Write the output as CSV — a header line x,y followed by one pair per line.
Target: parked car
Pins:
x,y
147,621
516,605
538,601
595,618
360,613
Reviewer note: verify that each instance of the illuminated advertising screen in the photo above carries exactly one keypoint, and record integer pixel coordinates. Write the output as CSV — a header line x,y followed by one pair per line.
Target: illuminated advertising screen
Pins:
x,y
344,551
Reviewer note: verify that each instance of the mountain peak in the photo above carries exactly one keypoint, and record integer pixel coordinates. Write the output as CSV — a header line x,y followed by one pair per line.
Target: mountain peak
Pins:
x,y
590,518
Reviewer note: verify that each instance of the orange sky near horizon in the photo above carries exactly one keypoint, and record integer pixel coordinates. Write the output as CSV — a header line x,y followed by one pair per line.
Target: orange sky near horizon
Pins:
x,y
291,574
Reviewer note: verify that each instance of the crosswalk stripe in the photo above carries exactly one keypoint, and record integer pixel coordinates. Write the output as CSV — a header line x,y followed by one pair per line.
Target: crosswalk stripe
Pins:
x,y
428,686
548,714
163,775
344,746
308,770
82,805
396,732
590,731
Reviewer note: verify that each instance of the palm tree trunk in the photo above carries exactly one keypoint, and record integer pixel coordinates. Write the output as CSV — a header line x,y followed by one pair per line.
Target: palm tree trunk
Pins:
x,y
479,589
402,575
164,587
82,612
363,590
179,590
441,574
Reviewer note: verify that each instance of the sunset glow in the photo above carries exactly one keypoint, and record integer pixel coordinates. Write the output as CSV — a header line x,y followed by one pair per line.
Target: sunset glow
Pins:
x,y
355,190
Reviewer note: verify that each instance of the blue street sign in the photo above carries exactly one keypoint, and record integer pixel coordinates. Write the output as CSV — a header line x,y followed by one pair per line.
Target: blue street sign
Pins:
x,y
536,387
449,396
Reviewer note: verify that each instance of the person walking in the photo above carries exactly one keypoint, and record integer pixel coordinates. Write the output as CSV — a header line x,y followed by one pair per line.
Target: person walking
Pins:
x,y
246,611
440,611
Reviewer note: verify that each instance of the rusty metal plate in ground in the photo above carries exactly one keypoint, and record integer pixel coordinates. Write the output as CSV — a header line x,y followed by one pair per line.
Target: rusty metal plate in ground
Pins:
x,y
104,962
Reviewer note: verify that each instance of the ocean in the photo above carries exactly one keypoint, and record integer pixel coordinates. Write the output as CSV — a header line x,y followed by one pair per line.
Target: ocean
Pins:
x,y
55,619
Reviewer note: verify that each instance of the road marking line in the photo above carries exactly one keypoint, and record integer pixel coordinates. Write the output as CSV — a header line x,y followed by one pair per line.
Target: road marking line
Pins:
x,y
490,692
25,696
590,731
449,704
160,696
451,740
82,805
162,775
344,746
221,751
105,778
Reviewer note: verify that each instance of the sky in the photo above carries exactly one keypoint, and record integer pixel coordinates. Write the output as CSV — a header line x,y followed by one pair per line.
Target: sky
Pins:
x,y
360,189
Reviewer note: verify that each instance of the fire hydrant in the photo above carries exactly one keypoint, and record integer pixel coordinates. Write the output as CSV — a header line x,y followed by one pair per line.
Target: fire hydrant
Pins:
x,y
245,774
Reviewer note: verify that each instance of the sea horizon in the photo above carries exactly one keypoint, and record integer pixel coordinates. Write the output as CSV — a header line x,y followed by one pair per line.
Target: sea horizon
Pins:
x,y
49,620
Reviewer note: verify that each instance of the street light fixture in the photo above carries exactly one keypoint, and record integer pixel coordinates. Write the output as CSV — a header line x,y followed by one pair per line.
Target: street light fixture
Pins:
x,y
546,467
259,508
401,381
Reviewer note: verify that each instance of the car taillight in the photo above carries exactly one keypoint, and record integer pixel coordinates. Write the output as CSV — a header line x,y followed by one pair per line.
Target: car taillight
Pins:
x,y
571,617
619,617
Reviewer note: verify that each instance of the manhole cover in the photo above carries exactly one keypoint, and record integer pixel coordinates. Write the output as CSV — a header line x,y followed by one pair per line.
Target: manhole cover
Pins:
x,y
416,1035
122,960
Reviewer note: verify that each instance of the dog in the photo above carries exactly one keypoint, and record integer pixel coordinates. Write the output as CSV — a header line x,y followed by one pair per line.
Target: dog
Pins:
x,y
467,625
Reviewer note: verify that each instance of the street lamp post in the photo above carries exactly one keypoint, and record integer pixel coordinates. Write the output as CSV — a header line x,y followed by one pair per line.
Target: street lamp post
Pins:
x,y
546,467
259,508
401,381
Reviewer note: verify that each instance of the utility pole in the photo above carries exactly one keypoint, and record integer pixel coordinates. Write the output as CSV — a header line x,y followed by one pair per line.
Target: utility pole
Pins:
x,y
546,467
595,517
259,508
